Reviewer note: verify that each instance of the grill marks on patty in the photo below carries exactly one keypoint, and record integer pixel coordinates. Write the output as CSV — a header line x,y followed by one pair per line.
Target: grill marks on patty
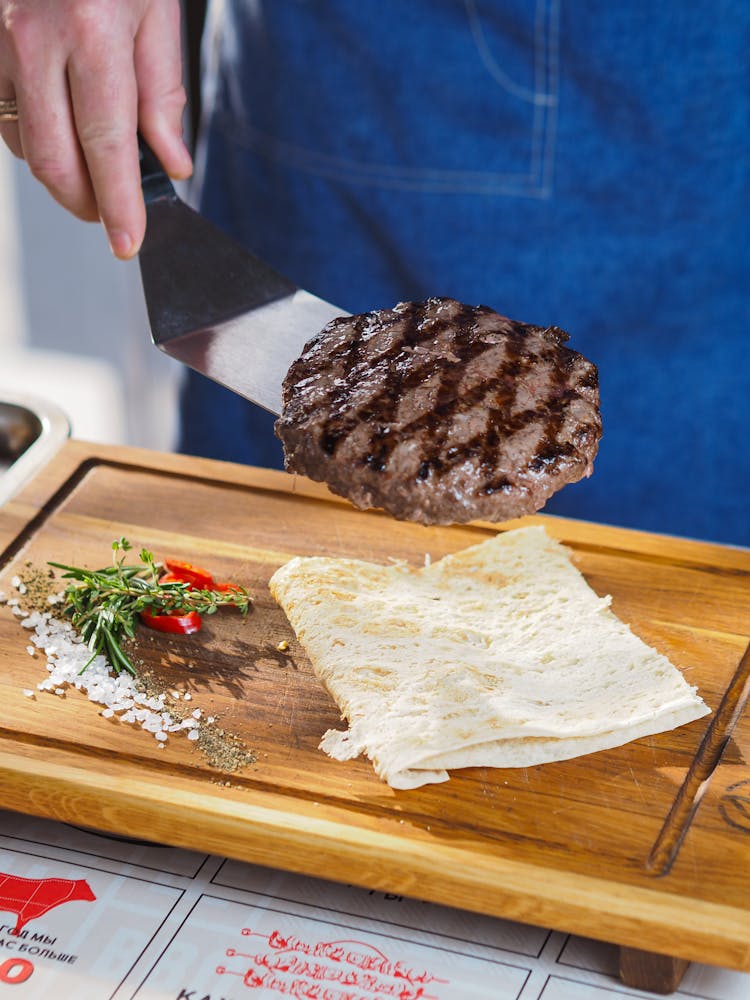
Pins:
x,y
441,412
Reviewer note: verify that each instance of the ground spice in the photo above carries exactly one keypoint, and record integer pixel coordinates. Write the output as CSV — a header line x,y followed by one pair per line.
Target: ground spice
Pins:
x,y
223,750
40,586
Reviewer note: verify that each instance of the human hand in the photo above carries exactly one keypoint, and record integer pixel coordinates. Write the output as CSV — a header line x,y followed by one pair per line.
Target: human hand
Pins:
x,y
86,75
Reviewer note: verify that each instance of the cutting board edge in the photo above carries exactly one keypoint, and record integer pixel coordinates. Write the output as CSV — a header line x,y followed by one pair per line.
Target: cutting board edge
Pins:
x,y
279,837
76,458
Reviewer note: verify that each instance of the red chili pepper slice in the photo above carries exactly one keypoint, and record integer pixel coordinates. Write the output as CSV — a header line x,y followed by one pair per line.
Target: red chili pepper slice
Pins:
x,y
229,588
177,624
172,578
196,576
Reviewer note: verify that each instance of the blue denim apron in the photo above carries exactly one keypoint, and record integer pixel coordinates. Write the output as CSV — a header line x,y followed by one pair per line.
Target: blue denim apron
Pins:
x,y
583,164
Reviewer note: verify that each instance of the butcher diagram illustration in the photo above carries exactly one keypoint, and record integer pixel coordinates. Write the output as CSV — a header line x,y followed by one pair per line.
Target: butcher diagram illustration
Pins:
x,y
30,898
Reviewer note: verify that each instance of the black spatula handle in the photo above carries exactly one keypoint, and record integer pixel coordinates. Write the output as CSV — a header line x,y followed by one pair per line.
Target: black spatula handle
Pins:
x,y
154,181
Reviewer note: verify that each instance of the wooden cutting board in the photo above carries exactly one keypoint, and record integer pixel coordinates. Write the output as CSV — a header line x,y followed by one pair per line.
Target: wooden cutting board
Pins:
x,y
647,846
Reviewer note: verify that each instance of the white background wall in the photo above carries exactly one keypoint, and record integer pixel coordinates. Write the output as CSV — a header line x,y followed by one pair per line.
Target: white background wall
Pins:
x,y
73,326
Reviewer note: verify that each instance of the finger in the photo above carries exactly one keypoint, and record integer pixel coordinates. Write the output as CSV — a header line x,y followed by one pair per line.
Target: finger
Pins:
x,y
9,130
48,140
45,134
161,94
104,95
9,135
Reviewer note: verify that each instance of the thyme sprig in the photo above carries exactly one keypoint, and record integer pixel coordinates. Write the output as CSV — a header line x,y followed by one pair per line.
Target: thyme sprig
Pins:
x,y
103,605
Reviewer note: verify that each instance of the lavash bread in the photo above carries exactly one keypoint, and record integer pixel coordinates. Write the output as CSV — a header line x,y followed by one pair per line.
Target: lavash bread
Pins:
x,y
500,655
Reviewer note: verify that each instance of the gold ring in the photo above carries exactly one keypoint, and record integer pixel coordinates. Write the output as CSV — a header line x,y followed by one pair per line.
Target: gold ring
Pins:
x,y
8,111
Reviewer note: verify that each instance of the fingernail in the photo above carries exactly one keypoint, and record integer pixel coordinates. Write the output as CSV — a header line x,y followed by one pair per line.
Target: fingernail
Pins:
x,y
121,243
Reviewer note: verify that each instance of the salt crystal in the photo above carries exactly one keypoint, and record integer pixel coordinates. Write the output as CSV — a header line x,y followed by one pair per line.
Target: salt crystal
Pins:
x,y
69,662
19,612
211,718
187,696
15,582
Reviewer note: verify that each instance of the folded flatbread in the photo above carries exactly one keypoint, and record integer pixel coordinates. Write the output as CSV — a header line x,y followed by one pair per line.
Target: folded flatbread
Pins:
x,y
500,655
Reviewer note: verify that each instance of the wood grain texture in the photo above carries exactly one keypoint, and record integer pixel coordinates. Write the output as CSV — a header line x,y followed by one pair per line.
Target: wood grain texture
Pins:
x,y
563,845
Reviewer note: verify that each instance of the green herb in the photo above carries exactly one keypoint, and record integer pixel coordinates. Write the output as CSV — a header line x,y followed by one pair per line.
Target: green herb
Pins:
x,y
104,604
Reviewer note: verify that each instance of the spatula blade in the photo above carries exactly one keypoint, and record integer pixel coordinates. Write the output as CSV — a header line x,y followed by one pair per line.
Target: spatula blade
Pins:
x,y
214,306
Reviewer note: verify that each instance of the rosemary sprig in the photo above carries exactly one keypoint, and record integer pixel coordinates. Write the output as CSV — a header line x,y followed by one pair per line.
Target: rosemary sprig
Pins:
x,y
103,605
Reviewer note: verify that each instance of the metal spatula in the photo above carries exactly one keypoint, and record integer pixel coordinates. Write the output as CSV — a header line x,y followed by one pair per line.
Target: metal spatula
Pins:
x,y
216,307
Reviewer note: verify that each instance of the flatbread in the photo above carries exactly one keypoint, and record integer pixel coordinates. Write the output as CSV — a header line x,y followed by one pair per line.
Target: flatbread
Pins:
x,y
500,655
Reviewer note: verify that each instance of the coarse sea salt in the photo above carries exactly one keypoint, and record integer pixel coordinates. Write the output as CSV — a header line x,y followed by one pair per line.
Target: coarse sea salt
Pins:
x,y
69,664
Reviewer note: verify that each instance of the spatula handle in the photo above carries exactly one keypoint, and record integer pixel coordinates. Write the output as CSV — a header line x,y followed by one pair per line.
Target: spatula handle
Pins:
x,y
154,180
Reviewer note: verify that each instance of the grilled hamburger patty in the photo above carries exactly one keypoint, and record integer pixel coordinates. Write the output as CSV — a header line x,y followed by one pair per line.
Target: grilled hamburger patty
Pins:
x,y
441,412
